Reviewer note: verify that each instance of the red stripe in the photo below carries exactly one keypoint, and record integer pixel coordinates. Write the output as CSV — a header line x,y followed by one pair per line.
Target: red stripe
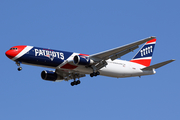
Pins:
x,y
84,54
145,62
153,40
69,66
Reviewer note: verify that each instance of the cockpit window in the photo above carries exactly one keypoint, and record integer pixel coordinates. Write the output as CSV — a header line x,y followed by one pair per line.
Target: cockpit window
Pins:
x,y
13,48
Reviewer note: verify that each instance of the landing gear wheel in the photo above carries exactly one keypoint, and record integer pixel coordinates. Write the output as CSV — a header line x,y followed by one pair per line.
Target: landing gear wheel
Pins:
x,y
72,83
75,82
91,74
20,68
78,81
97,73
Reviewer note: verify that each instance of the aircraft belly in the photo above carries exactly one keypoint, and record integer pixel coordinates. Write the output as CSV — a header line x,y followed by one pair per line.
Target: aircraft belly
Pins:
x,y
115,70
39,65
83,69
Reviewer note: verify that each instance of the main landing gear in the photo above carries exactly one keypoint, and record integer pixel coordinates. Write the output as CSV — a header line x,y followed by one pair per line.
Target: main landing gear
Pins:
x,y
74,76
95,71
19,67
75,82
95,74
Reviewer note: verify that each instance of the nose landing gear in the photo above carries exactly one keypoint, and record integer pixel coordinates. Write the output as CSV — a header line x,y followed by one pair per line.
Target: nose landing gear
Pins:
x,y
19,67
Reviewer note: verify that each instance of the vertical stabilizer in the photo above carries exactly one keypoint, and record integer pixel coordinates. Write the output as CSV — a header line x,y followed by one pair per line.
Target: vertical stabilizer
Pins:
x,y
144,55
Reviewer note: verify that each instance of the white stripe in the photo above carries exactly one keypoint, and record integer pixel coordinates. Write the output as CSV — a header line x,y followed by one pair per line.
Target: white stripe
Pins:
x,y
24,51
143,58
68,60
151,43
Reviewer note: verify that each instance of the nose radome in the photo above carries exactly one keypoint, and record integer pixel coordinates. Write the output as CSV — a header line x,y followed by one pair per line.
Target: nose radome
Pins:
x,y
14,51
10,54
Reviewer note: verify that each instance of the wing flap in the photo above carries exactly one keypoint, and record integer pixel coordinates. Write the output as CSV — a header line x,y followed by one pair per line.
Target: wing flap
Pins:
x,y
158,65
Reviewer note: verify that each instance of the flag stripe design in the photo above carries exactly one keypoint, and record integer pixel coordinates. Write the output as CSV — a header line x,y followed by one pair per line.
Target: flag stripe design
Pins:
x,y
144,55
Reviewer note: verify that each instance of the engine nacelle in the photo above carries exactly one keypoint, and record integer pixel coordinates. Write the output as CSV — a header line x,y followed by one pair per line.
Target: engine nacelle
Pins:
x,y
82,60
50,75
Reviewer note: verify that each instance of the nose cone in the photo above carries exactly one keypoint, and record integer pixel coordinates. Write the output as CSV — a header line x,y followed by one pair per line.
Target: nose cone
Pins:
x,y
14,51
11,54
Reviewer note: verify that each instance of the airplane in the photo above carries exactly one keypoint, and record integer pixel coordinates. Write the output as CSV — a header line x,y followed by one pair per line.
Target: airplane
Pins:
x,y
70,65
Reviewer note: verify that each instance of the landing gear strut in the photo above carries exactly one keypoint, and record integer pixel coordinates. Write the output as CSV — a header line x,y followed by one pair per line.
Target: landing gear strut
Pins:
x,y
19,67
95,72
75,82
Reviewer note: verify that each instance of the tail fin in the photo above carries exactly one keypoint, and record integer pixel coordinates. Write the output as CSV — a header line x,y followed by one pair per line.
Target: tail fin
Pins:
x,y
144,55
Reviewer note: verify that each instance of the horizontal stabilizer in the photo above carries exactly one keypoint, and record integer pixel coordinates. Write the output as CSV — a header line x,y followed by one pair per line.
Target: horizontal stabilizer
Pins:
x,y
158,65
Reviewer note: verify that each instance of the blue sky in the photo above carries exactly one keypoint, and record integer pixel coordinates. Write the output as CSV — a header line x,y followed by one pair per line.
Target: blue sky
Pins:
x,y
90,27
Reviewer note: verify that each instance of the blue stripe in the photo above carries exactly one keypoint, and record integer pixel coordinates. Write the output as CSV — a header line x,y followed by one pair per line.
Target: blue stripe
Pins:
x,y
45,57
145,51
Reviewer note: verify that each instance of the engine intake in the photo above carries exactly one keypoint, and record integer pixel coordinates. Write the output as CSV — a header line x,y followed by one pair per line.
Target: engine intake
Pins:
x,y
82,60
49,75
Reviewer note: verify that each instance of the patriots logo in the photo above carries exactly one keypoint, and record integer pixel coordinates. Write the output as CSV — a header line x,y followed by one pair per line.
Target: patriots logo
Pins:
x,y
86,58
50,57
50,54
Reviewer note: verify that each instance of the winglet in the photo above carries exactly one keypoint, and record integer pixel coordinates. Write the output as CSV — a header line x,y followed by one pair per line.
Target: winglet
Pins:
x,y
158,65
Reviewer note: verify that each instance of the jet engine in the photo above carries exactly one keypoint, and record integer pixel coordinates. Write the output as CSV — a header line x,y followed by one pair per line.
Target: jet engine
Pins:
x,y
82,60
50,76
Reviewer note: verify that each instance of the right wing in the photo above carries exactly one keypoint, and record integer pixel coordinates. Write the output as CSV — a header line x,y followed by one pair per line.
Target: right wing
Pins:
x,y
100,58
119,51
